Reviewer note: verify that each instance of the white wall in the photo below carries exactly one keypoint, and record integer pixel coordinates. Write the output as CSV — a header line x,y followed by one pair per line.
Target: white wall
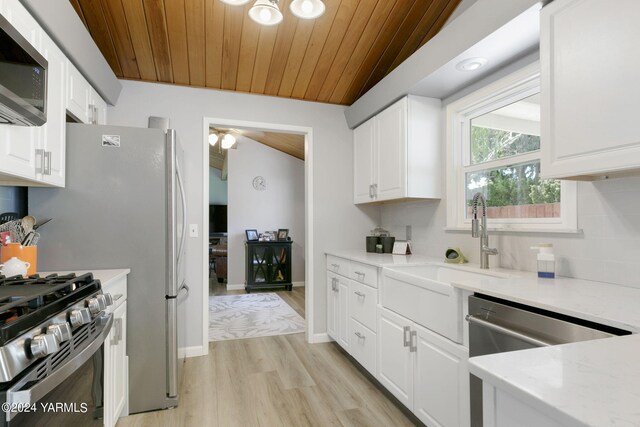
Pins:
x,y
218,189
337,223
280,205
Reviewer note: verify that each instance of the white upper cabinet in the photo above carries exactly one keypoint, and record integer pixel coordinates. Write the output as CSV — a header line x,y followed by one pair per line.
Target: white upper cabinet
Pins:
x,y
590,92
78,95
363,153
397,153
51,157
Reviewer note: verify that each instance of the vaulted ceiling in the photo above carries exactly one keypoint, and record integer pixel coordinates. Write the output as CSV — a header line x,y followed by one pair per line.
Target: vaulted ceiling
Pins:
x,y
206,43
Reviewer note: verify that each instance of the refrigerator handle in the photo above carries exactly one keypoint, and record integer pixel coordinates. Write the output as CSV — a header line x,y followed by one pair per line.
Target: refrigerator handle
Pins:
x,y
172,347
184,211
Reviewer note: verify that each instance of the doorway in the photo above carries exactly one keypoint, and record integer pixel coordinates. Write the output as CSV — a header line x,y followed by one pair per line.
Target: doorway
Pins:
x,y
260,169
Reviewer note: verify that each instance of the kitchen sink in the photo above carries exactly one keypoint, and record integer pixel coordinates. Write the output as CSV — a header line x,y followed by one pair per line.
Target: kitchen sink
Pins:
x,y
425,294
443,273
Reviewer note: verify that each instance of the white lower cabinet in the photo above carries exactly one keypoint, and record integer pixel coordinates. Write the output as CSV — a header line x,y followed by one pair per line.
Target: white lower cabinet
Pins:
x,y
337,309
116,361
423,370
396,361
442,381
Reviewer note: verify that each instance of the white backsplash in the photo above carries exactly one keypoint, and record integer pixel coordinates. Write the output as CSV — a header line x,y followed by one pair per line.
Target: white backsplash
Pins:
x,y
608,249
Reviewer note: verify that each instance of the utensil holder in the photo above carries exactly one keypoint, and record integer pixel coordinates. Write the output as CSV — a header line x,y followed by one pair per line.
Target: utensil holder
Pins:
x,y
23,253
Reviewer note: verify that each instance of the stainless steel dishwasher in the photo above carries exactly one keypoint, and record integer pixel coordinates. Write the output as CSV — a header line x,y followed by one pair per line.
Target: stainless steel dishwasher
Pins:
x,y
497,326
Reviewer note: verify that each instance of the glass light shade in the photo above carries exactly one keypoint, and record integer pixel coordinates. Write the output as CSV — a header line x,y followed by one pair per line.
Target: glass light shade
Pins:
x,y
266,12
235,2
228,140
213,138
307,9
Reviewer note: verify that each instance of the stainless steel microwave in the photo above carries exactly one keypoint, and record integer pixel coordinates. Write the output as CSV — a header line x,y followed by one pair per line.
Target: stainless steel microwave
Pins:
x,y
23,79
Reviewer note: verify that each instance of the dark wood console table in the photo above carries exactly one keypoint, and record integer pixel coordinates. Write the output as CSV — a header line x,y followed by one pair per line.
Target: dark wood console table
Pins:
x,y
268,264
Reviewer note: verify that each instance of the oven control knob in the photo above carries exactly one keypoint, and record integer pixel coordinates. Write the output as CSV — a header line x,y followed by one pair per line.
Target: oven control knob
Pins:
x,y
96,305
62,331
107,298
44,344
79,317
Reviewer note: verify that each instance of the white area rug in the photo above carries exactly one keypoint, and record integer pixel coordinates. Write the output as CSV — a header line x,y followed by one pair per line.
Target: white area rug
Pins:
x,y
252,315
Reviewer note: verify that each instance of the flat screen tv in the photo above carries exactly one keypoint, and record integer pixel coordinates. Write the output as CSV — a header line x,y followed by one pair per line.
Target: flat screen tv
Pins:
x,y
217,218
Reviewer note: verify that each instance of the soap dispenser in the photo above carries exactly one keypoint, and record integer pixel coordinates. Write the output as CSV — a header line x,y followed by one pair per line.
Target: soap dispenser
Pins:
x,y
546,260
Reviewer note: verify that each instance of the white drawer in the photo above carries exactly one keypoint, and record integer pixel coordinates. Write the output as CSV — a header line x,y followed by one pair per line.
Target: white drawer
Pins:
x,y
338,265
439,311
362,345
364,273
363,300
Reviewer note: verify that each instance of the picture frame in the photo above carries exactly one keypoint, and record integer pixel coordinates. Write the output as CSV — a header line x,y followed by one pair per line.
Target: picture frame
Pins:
x,y
252,234
283,233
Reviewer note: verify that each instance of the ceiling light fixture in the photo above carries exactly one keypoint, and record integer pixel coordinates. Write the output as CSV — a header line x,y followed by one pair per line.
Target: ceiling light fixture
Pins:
x,y
307,9
471,64
266,12
213,138
228,141
235,2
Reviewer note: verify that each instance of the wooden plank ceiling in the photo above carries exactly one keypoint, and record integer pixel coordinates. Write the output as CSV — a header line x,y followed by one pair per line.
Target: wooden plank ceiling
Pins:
x,y
205,43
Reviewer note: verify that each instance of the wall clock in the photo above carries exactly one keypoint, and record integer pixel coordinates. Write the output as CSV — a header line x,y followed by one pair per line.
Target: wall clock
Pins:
x,y
259,183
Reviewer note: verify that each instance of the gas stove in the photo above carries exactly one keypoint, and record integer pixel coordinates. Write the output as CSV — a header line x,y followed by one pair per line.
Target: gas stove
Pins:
x,y
39,314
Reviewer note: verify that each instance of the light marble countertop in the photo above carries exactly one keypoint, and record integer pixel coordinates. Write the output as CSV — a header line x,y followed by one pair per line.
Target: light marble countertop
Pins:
x,y
382,260
590,383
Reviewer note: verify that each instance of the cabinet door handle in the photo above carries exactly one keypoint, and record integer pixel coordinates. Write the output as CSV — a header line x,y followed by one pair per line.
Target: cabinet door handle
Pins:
x,y
40,156
95,114
360,294
371,191
333,284
117,333
47,163
360,336
375,190
413,347
406,334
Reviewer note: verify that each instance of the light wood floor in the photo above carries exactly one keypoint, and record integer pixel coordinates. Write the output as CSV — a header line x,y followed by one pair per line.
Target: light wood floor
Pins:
x,y
275,381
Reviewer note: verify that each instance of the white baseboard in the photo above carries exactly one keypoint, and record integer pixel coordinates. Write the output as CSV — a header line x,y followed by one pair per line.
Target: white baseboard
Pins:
x,y
318,338
297,284
195,351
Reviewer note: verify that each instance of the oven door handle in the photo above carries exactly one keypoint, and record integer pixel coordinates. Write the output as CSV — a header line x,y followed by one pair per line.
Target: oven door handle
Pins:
x,y
506,331
31,395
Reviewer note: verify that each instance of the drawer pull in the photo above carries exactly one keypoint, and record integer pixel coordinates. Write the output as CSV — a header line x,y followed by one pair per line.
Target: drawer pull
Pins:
x,y
360,336
359,273
335,265
413,347
406,332
360,294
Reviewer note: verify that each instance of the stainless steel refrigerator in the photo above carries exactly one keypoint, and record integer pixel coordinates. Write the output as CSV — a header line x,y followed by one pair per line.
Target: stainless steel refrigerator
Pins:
x,y
124,207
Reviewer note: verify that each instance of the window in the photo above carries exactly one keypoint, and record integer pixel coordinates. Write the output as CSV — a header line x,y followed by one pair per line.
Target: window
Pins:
x,y
493,147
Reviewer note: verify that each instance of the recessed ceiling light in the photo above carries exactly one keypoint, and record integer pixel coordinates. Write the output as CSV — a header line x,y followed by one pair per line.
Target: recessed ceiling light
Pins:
x,y
307,9
471,64
213,138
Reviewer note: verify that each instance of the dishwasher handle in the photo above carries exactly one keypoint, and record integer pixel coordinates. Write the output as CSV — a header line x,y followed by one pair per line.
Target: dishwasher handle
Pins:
x,y
506,331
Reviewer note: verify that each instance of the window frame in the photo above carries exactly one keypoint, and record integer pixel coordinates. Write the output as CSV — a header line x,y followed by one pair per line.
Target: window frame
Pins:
x,y
507,90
